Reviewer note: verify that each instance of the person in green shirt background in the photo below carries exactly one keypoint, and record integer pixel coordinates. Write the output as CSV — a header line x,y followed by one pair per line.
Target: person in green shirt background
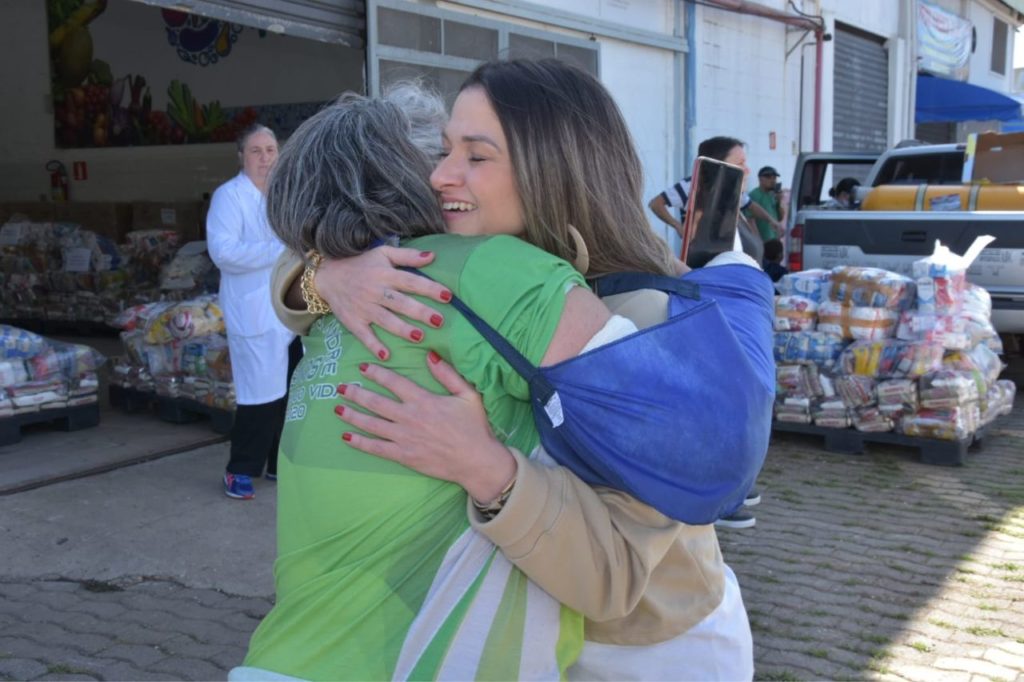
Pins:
x,y
768,195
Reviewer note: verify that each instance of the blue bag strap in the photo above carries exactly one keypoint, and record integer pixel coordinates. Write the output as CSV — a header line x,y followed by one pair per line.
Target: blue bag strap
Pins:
x,y
540,387
624,282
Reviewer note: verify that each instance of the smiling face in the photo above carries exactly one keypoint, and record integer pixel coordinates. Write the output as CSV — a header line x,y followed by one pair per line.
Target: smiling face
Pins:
x,y
258,156
475,178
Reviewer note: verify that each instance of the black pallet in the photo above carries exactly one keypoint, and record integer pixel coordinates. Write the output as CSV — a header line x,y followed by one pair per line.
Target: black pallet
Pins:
x,y
851,442
129,399
186,410
63,327
69,418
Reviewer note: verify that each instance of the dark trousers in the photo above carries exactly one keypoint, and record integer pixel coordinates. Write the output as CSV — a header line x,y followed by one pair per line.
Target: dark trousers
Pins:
x,y
256,433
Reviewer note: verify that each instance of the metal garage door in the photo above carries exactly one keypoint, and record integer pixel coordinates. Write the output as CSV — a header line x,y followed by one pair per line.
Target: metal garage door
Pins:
x,y
860,119
328,21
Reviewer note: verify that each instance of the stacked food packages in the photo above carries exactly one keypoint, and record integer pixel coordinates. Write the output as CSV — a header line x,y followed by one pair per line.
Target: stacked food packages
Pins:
x,y
865,348
176,349
59,271
37,374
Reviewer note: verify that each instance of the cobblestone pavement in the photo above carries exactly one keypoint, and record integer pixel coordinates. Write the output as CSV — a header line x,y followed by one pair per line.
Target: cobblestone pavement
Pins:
x,y
860,567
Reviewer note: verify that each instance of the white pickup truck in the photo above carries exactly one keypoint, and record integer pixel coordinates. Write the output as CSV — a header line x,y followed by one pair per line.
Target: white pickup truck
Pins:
x,y
893,239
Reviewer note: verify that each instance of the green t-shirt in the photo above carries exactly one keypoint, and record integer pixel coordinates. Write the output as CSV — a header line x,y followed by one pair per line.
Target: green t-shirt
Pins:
x,y
360,538
770,202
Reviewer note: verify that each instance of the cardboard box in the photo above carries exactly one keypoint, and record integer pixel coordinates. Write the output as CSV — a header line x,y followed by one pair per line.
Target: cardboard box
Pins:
x,y
35,211
187,217
110,218
994,157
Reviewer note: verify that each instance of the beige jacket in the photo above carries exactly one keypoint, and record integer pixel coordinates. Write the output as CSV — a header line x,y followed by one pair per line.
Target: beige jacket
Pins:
x,y
638,576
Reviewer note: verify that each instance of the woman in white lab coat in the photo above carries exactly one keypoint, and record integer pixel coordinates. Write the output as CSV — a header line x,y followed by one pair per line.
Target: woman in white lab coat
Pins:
x,y
244,247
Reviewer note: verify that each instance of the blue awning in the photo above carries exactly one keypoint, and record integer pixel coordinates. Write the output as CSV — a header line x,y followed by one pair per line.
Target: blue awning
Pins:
x,y
942,100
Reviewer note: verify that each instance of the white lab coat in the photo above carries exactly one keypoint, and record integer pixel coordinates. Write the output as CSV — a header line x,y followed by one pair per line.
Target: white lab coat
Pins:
x,y
242,244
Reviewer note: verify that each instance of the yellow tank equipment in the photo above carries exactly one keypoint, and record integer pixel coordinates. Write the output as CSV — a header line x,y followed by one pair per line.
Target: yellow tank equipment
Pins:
x,y
944,198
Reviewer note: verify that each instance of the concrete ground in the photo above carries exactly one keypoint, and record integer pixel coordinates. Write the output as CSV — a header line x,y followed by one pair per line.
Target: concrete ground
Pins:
x,y
860,567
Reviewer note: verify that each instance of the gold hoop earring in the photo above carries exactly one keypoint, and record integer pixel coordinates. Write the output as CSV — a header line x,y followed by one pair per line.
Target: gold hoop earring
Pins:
x,y
582,260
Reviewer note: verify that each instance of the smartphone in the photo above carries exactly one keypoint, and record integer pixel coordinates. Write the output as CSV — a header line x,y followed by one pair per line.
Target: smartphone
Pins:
x,y
712,210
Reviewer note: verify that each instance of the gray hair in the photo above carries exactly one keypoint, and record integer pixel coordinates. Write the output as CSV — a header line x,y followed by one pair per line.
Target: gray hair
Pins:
x,y
249,131
351,176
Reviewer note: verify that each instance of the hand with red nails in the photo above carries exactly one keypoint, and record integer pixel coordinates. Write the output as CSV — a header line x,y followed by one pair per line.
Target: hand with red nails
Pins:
x,y
368,289
446,437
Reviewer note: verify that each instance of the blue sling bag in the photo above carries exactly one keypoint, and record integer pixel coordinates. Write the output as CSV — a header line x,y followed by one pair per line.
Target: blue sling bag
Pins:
x,y
677,415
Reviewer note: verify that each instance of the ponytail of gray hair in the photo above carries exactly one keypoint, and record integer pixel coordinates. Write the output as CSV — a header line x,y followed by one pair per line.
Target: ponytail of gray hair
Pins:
x,y
358,173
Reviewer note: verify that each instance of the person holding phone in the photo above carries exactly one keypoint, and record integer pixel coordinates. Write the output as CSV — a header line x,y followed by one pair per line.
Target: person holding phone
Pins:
x,y
721,148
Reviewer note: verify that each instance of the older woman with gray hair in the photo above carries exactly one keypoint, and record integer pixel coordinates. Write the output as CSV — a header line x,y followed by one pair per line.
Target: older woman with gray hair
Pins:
x,y
379,574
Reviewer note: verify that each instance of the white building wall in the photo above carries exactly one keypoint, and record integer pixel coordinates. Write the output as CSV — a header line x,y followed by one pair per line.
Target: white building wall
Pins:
x,y
982,14
750,82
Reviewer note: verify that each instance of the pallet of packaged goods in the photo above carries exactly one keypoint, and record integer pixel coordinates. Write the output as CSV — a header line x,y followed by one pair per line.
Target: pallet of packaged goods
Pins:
x,y
869,356
64,418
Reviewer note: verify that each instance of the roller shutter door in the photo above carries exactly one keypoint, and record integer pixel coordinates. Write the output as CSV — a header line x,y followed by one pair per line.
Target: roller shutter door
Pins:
x,y
860,120
328,21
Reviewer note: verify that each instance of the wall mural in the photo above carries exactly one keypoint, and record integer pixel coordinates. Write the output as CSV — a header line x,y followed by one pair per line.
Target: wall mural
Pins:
x,y
95,107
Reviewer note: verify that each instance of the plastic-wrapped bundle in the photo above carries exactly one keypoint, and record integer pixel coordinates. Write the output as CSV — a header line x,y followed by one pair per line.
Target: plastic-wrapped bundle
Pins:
x,y
948,330
138,316
856,322
813,284
998,401
6,406
940,295
162,359
795,410
150,250
196,317
947,388
66,360
13,372
84,384
223,395
832,414
871,419
954,424
980,359
207,356
168,385
891,358
871,287
897,396
800,381
19,343
190,270
977,302
855,391
31,395
795,314
817,347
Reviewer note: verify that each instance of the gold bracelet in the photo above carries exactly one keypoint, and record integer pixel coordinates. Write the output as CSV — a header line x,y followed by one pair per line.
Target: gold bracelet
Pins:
x,y
491,509
315,304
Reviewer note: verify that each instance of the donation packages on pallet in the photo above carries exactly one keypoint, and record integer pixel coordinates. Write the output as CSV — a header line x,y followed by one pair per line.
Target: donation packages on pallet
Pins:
x,y
37,374
865,348
58,271
177,349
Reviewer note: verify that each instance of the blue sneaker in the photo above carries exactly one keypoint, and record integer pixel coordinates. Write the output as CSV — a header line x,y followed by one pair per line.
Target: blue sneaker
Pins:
x,y
238,486
270,477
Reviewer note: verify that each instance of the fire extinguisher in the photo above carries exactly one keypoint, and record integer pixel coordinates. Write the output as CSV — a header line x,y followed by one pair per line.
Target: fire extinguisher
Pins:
x,y
58,180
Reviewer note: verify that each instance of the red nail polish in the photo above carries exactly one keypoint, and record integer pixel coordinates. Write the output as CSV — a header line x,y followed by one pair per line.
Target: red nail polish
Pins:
x,y
346,436
446,296
383,354
416,335
436,320
339,410
426,254
433,357
363,366
341,389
